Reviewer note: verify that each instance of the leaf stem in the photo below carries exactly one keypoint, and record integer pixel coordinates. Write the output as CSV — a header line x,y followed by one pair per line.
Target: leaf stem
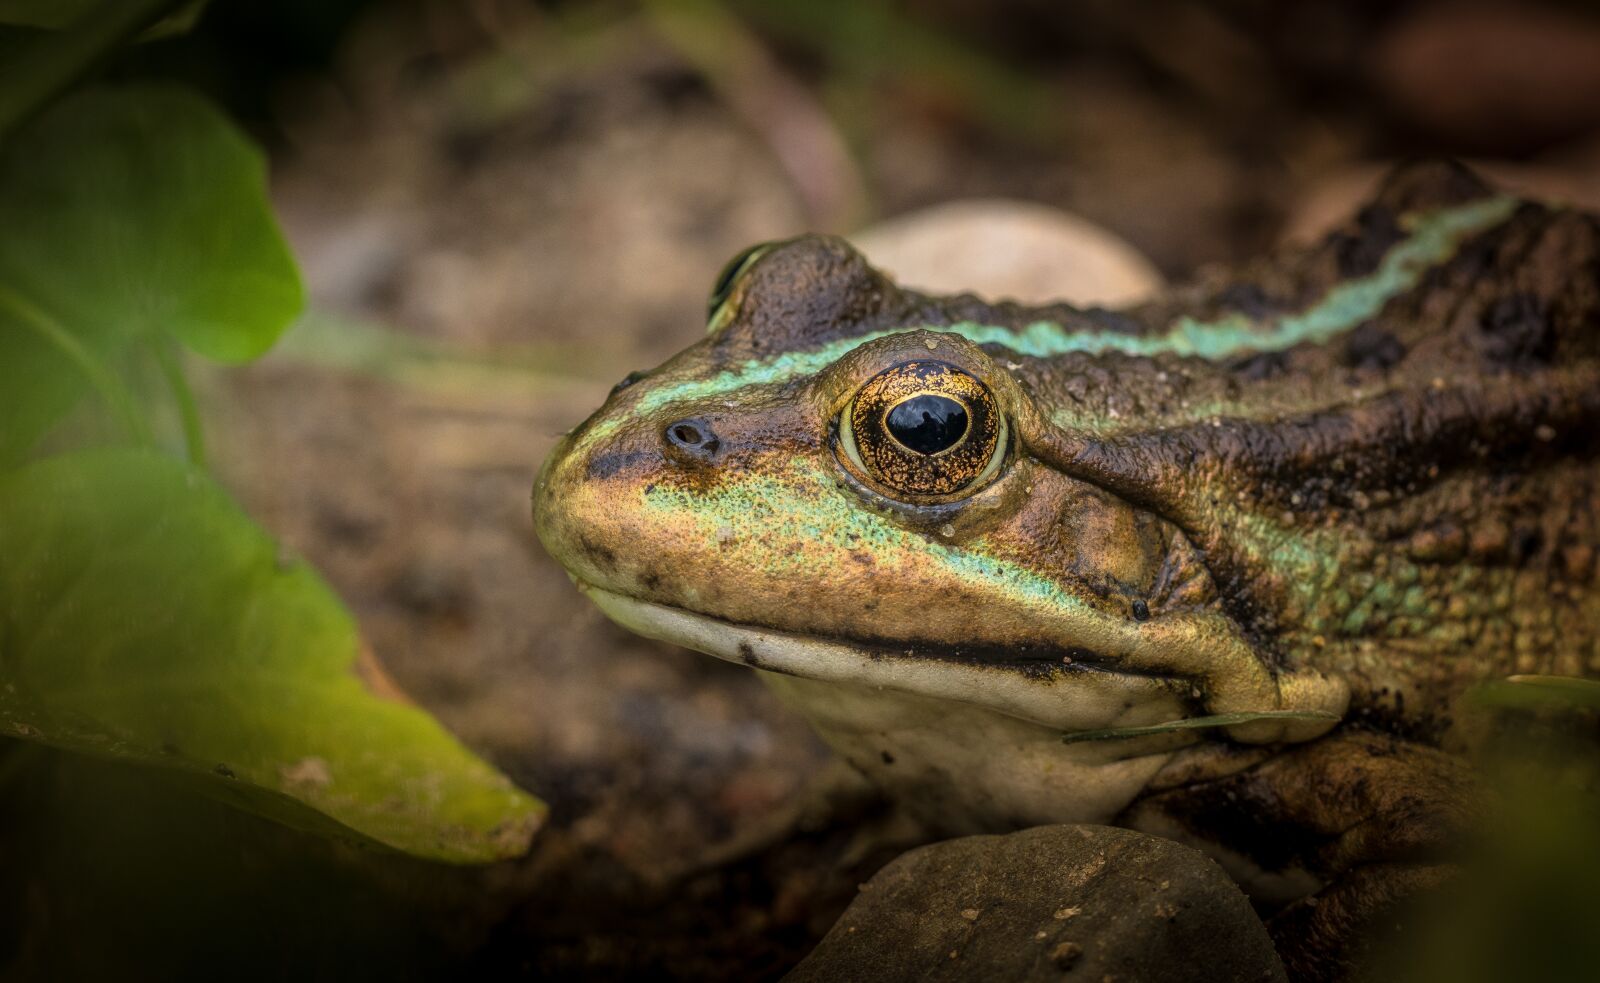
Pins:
x,y
57,58
108,386
1195,723
194,437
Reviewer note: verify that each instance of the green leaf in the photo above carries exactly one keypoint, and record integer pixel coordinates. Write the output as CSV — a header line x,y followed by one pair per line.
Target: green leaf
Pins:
x,y
143,617
57,14
127,213
42,62
44,13
181,21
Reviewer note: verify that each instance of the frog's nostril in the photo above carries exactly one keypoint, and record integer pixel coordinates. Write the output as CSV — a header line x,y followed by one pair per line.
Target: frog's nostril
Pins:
x,y
692,438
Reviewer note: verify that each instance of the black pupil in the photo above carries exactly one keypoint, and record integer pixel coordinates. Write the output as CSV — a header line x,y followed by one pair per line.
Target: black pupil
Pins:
x,y
928,424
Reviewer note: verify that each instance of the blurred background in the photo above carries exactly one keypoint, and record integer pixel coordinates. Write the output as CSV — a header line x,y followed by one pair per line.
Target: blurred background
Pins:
x,y
503,206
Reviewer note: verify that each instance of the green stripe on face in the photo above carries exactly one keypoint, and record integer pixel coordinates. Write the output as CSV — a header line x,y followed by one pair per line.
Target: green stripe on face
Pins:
x,y
1434,238
805,507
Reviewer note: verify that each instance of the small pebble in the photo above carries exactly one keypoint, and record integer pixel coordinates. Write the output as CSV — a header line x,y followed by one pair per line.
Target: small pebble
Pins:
x,y
1065,954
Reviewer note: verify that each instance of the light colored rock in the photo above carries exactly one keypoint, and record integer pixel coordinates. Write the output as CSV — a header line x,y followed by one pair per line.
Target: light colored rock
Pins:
x,y
1017,250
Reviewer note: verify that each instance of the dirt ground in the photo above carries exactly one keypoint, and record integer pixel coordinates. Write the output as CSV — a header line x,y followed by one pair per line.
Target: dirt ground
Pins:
x,y
479,279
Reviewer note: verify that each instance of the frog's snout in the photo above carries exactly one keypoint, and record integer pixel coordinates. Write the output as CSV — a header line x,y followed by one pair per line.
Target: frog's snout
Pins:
x,y
587,507
544,499
685,505
573,523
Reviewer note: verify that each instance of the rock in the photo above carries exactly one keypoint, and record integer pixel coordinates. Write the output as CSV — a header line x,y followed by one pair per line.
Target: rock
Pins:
x,y
1016,250
1052,903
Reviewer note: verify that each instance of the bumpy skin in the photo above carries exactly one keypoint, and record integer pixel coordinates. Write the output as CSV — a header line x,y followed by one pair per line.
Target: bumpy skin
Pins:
x,y
1340,485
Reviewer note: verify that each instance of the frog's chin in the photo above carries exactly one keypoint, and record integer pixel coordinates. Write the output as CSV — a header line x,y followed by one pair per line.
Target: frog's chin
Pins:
x,y
1064,697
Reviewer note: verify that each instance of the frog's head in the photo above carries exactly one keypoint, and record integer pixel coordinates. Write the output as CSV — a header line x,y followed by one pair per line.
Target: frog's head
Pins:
x,y
833,487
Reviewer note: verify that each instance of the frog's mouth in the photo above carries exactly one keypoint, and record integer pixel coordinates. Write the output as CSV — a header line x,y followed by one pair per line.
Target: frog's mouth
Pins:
x,y
1088,693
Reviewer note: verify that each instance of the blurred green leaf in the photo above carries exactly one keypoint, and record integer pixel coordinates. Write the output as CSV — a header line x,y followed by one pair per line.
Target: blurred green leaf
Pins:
x,y
46,51
1537,691
104,864
57,14
143,617
181,21
1524,905
128,213
44,13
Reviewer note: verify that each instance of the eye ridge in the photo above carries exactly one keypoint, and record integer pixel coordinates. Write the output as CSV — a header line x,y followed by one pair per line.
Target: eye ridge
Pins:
x,y
723,288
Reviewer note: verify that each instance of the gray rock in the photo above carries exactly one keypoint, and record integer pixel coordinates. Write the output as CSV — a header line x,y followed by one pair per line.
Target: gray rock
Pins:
x,y
1053,903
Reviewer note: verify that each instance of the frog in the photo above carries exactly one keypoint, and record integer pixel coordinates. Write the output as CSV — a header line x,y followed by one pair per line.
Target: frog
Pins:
x,y
1218,565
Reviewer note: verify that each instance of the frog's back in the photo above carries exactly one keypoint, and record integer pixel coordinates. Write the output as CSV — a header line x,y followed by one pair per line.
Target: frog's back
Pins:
x,y
1386,444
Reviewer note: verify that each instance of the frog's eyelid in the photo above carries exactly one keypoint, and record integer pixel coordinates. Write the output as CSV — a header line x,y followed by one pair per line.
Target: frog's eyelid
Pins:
x,y
718,313
847,436
628,380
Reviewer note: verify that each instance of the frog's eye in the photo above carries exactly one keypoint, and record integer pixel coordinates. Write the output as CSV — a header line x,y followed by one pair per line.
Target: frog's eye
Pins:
x,y
727,280
924,429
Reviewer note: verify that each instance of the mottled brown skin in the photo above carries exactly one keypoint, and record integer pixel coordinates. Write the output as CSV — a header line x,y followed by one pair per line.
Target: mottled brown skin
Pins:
x,y
1369,524
1480,456
1473,447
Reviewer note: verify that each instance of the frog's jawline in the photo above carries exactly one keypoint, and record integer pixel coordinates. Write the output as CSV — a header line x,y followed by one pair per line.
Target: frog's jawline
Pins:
x,y
1084,695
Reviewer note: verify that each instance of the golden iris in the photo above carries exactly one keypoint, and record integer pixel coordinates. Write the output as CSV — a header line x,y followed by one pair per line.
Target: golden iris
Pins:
x,y
924,429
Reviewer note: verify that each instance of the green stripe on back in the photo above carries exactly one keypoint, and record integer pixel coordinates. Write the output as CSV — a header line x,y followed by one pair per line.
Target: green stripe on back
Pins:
x,y
1434,238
